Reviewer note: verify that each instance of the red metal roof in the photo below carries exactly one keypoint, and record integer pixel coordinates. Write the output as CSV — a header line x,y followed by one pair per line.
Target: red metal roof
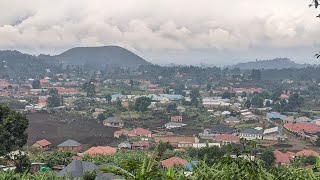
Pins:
x,y
174,161
227,138
101,150
43,142
307,152
282,157
140,131
302,127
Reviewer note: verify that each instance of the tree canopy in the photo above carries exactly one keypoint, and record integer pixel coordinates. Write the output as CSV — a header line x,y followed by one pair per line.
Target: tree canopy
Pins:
x,y
142,104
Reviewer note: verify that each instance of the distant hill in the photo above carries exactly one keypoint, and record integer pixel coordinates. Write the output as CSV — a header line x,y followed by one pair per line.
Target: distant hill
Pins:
x,y
278,63
106,55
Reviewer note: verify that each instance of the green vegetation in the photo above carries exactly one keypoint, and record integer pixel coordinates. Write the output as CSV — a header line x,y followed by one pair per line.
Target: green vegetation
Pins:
x,y
142,104
13,137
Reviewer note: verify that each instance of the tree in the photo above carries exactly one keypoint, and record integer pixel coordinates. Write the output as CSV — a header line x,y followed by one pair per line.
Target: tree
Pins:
x,y
195,94
36,84
255,75
13,134
209,86
243,94
108,98
268,104
91,89
315,3
226,95
89,175
131,83
295,101
268,157
53,99
101,117
260,102
247,104
172,107
142,104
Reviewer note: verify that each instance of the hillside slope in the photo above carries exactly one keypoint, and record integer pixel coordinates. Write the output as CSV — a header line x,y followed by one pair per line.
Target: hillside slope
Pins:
x,y
278,63
106,55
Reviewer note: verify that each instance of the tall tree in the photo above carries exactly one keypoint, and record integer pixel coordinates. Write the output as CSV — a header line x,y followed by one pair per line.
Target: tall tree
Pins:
x,y
268,157
13,134
108,98
36,84
142,104
255,75
53,99
91,89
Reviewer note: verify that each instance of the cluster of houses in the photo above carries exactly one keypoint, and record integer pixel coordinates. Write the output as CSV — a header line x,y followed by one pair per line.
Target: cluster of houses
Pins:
x,y
301,126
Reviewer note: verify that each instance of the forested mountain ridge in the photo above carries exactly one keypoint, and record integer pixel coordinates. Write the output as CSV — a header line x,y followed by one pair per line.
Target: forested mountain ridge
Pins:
x,y
277,63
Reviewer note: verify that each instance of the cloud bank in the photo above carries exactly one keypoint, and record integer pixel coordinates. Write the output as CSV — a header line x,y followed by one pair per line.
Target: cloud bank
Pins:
x,y
181,31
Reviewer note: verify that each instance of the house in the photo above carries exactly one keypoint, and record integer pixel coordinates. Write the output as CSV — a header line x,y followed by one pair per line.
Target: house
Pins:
x,y
221,129
70,145
113,122
140,145
174,161
302,128
42,144
176,119
176,140
139,132
225,139
77,169
121,132
171,125
303,119
124,145
67,91
282,159
276,117
307,152
231,120
288,119
44,82
36,167
271,134
202,145
251,133
101,150
181,109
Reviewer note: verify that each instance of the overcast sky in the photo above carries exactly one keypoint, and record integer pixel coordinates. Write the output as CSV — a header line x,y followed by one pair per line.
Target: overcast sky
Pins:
x,y
166,31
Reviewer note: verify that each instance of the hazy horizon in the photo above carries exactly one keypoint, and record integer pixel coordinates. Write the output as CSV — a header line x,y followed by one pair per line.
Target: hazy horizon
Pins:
x,y
180,32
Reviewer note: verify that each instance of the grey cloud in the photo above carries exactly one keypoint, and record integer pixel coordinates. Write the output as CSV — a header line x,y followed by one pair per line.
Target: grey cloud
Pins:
x,y
158,26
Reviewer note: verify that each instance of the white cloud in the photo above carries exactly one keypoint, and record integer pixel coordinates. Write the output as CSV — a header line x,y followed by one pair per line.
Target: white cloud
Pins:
x,y
157,26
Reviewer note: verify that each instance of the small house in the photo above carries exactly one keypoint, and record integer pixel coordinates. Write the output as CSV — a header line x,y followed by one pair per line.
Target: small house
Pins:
x,y
140,145
139,132
272,134
231,120
70,145
42,144
101,150
124,145
113,122
251,134
174,161
176,119
171,125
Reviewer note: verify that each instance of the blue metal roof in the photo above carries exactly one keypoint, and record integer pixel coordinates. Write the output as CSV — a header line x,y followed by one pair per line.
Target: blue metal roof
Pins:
x,y
190,164
275,116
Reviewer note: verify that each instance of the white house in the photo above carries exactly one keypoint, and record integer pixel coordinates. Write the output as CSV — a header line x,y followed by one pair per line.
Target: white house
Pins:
x,y
171,125
251,134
